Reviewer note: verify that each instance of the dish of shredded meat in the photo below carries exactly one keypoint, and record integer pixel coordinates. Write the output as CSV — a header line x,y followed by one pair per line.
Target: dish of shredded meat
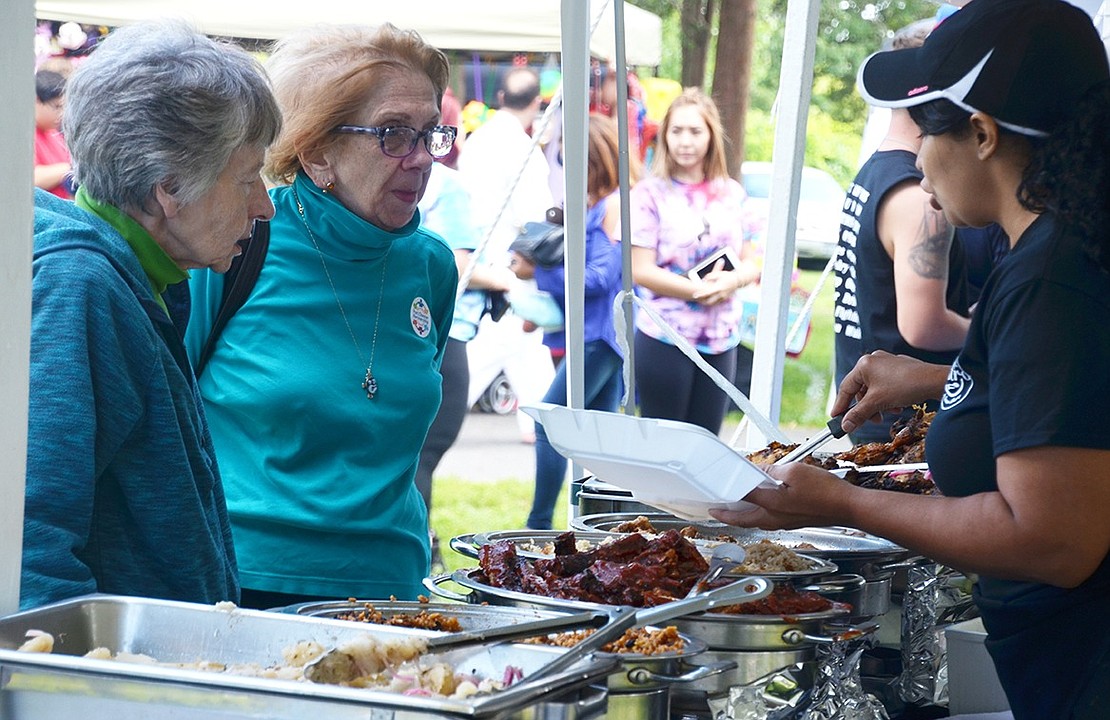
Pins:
x,y
423,619
635,641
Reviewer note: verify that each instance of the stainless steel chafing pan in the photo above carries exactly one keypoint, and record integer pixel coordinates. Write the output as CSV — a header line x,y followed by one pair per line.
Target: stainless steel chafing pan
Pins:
x,y
63,684
852,550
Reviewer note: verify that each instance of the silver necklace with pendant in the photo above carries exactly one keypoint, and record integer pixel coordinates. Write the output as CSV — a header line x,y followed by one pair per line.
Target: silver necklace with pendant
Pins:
x,y
369,382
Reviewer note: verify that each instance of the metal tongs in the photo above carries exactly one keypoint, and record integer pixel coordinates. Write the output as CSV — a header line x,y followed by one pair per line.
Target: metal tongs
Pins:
x,y
725,557
622,618
834,430
340,665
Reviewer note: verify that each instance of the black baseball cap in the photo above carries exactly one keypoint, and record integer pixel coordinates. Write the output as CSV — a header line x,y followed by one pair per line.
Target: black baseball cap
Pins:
x,y
1023,62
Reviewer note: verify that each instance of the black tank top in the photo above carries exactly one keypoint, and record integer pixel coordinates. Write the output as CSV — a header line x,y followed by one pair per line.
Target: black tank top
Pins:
x,y
865,308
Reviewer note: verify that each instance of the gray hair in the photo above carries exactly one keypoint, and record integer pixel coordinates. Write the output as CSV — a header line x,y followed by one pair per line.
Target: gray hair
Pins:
x,y
160,104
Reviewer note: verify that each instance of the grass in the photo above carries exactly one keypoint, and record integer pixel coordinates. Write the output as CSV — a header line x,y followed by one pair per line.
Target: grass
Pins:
x,y
806,379
463,506
468,506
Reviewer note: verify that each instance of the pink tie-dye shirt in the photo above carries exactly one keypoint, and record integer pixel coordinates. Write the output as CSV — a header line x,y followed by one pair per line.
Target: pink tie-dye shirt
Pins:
x,y
684,224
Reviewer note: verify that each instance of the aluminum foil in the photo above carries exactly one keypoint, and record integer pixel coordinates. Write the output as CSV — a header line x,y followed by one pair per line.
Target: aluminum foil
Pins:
x,y
781,695
935,595
839,694
832,691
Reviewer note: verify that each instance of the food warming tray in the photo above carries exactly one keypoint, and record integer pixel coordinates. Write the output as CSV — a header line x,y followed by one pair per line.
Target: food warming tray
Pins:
x,y
63,684
470,617
817,566
526,541
852,550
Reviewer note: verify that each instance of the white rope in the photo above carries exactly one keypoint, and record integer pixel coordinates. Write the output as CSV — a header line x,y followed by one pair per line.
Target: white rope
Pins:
x,y
799,322
620,321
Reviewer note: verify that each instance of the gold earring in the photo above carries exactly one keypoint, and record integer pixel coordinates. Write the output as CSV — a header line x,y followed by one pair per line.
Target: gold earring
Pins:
x,y
328,186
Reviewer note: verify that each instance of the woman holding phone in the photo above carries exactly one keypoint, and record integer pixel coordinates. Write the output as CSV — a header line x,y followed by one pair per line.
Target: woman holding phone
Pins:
x,y
689,211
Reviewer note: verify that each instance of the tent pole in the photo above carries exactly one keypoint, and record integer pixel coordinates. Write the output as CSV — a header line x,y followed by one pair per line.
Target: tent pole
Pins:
x,y
622,172
575,59
795,89
16,183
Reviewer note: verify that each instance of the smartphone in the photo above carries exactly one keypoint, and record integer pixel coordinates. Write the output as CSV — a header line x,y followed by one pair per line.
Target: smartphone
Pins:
x,y
705,267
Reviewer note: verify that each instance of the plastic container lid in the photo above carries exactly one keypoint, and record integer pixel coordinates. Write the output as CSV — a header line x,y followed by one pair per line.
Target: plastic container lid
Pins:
x,y
677,467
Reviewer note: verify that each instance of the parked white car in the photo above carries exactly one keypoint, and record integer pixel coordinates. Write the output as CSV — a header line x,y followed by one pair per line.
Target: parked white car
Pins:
x,y
820,203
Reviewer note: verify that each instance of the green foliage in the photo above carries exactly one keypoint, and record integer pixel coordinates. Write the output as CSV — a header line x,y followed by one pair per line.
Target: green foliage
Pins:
x,y
468,506
847,32
831,145
808,377
670,62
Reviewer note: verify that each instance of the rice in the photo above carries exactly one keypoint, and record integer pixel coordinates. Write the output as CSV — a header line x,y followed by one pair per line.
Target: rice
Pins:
x,y
766,556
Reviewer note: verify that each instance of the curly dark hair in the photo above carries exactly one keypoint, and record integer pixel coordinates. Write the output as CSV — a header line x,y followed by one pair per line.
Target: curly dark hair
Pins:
x,y
1069,171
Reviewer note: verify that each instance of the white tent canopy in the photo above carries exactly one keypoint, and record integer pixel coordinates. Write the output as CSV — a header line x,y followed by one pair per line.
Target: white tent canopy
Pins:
x,y
490,25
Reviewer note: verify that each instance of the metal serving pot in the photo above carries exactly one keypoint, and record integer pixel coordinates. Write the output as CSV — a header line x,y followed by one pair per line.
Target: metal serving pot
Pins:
x,y
646,672
868,598
725,631
750,666
718,630
525,540
642,688
853,551
596,496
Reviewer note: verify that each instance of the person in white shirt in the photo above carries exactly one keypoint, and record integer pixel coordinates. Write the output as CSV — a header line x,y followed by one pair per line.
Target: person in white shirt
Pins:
x,y
507,175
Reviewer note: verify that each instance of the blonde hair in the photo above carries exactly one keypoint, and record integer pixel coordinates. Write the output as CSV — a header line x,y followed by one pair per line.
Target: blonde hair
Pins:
x,y
323,76
715,165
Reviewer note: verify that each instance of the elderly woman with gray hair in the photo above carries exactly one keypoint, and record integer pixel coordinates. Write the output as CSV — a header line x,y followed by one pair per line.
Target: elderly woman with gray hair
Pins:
x,y
168,132
322,387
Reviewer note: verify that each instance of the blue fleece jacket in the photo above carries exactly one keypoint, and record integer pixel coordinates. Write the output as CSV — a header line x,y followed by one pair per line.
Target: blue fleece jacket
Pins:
x,y
123,492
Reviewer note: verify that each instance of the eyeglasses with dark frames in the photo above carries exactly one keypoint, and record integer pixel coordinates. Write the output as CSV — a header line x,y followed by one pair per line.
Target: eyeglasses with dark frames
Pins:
x,y
398,141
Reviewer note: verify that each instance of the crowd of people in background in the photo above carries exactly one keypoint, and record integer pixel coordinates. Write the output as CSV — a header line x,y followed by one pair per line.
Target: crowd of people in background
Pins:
x,y
692,250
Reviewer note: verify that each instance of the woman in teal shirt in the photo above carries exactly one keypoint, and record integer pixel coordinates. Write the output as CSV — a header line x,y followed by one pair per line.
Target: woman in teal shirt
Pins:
x,y
323,385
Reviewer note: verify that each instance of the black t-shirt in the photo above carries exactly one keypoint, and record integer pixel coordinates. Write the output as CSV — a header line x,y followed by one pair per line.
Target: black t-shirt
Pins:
x,y
1035,371
865,306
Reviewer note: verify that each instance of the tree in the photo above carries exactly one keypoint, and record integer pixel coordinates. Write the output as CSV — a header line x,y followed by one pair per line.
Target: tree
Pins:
x,y
732,75
742,42
696,23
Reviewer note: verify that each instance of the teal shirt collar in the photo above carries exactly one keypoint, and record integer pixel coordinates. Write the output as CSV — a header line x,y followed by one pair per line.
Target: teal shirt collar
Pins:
x,y
337,231
161,271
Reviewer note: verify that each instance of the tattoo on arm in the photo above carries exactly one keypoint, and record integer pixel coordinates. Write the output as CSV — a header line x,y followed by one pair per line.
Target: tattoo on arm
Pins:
x,y
929,257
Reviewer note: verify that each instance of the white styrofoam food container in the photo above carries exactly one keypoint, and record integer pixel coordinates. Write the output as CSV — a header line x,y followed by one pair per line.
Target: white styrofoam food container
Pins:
x,y
973,685
677,467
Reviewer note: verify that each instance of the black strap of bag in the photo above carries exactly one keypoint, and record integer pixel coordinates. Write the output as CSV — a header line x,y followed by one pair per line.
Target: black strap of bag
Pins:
x,y
239,281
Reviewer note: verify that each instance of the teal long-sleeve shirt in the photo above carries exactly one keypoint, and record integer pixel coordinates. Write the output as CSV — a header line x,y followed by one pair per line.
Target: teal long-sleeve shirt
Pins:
x,y
319,477
123,491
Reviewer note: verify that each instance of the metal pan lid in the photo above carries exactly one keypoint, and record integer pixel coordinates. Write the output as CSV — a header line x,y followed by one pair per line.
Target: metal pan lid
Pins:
x,y
534,544
828,542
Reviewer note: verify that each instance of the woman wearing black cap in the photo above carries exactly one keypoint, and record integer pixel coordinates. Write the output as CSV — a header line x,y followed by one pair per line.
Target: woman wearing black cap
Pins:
x,y
1012,98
